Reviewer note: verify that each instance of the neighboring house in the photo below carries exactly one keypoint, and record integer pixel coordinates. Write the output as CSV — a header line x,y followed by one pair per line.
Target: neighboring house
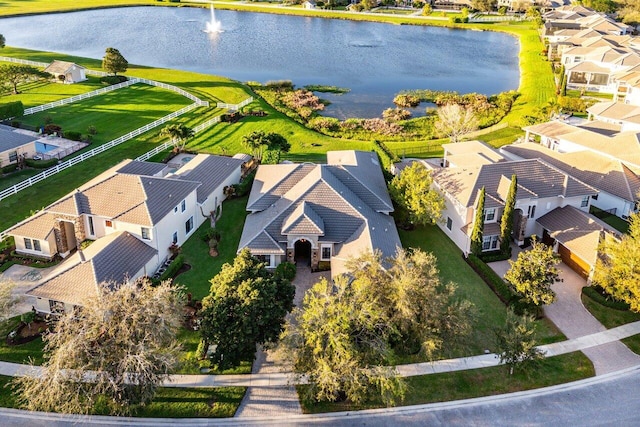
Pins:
x,y
309,4
14,144
576,237
625,115
66,72
617,183
320,214
110,261
541,188
134,197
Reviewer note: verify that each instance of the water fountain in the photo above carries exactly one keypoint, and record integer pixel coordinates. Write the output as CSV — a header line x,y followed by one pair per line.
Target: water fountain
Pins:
x,y
213,26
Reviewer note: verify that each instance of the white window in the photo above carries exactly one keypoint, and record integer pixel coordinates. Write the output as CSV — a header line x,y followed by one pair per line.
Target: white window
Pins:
x,y
174,239
146,233
449,223
91,229
36,245
548,205
531,212
175,210
325,254
13,156
585,202
27,244
489,214
188,226
183,206
489,243
264,258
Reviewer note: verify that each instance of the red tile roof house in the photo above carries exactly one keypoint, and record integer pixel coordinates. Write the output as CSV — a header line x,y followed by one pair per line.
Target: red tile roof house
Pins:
x,y
133,200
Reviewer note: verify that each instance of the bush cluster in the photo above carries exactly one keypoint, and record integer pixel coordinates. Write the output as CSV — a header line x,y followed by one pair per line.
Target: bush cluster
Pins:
x,y
286,270
11,110
41,164
381,126
602,297
406,100
173,268
396,114
113,80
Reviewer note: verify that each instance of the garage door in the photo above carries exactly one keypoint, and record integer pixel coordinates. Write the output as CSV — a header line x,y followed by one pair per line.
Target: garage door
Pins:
x,y
574,262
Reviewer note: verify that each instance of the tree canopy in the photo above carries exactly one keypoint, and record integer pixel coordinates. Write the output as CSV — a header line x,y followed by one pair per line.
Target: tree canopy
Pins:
x,y
114,62
506,222
456,120
179,134
478,225
516,340
117,349
533,272
246,306
411,191
13,74
348,332
618,268
2,41
258,140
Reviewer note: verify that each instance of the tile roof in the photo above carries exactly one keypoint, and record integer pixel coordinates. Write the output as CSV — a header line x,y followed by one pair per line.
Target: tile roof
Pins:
x,y
211,171
60,67
577,230
109,261
39,226
10,140
303,220
601,172
539,179
135,167
273,181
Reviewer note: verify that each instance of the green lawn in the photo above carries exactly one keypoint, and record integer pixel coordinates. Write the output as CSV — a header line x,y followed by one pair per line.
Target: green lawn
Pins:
x,y
113,113
476,383
490,311
612,318
169,402
616,222
41,92
18,353
190,364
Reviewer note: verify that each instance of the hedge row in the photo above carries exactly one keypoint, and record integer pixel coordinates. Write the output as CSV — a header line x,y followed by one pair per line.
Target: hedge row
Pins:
x,y
173,268
494,256
495,282
244,187
601,296
41,164
11,110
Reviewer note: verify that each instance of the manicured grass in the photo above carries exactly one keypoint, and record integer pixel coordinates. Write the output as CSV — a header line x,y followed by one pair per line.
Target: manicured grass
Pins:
x,y
169,402
490,312
196,250
18,176
616,222
612,318
113,113
31,7
477,383
501,137
190,364
43,92
22,353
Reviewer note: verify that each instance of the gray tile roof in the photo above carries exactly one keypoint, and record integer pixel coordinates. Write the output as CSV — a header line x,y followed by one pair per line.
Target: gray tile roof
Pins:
x,y
211,171
322,200
536,179
109,261
10,140
142,168
273,181
601,172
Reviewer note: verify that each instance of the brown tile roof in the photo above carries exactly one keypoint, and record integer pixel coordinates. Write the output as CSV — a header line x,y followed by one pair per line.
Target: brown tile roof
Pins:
x,y
578,231
39,226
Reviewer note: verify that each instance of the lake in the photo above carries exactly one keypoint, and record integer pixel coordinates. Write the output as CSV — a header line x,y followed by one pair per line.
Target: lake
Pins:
x,y
374,60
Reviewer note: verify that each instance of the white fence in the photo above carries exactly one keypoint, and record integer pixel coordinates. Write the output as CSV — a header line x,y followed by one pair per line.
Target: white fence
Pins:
x,y
235,107
84,156
80,97
46,64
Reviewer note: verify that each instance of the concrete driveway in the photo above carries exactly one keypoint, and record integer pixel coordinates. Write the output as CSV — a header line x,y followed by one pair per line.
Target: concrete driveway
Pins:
x,y
573,320
24,278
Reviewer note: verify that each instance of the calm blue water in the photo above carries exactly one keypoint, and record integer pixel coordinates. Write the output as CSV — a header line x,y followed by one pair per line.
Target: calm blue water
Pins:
x,y
44,148
374,60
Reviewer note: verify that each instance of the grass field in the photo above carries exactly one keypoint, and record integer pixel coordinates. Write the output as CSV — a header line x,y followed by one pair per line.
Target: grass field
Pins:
x,y
477,382
113,113
43,92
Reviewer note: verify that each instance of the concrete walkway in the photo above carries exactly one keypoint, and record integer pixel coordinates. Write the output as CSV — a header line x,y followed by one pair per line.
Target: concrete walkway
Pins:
x,y
277,400
575,321
24,278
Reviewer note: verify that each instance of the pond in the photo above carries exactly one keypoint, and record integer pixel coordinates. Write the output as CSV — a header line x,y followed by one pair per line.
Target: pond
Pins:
x,y
374,60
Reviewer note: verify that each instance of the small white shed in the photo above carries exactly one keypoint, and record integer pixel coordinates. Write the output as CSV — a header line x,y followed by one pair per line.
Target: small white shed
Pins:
x,y
66,72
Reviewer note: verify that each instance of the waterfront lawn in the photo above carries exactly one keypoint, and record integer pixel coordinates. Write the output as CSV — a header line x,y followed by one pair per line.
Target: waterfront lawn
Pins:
x,y
500,137
475,383
169,402
44,91
611,318
490,311
22,353
113,113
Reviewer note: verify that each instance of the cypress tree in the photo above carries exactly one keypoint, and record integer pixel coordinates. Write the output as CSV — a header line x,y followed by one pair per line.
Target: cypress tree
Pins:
x,y
506,223
478,225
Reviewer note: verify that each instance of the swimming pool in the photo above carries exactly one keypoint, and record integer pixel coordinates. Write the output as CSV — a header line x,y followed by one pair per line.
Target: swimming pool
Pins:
x,y
41,147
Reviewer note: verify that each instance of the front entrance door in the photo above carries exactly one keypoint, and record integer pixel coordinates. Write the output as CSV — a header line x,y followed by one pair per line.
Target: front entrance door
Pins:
x,y
302,250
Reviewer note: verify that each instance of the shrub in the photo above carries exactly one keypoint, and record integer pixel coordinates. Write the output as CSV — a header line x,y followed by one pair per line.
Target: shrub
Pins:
x,y
48,120
15,124
491,278
91,130
73,135
211,234
381,126
326,124
244,187
396,114
113,80
494,256
41,164
279,84
406,101
9,168
173,268
601,296
51,128
299,99
577,105
11,109
286,270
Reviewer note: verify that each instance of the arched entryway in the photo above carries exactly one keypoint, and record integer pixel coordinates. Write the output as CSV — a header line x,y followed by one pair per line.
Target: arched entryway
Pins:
x,y
302,252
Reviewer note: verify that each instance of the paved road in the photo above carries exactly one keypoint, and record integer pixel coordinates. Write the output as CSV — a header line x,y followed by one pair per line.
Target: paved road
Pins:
x,y
606,400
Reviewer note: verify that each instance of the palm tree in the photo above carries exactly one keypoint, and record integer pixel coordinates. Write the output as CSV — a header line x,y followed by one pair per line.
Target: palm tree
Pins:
x,y
179,135
255,141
